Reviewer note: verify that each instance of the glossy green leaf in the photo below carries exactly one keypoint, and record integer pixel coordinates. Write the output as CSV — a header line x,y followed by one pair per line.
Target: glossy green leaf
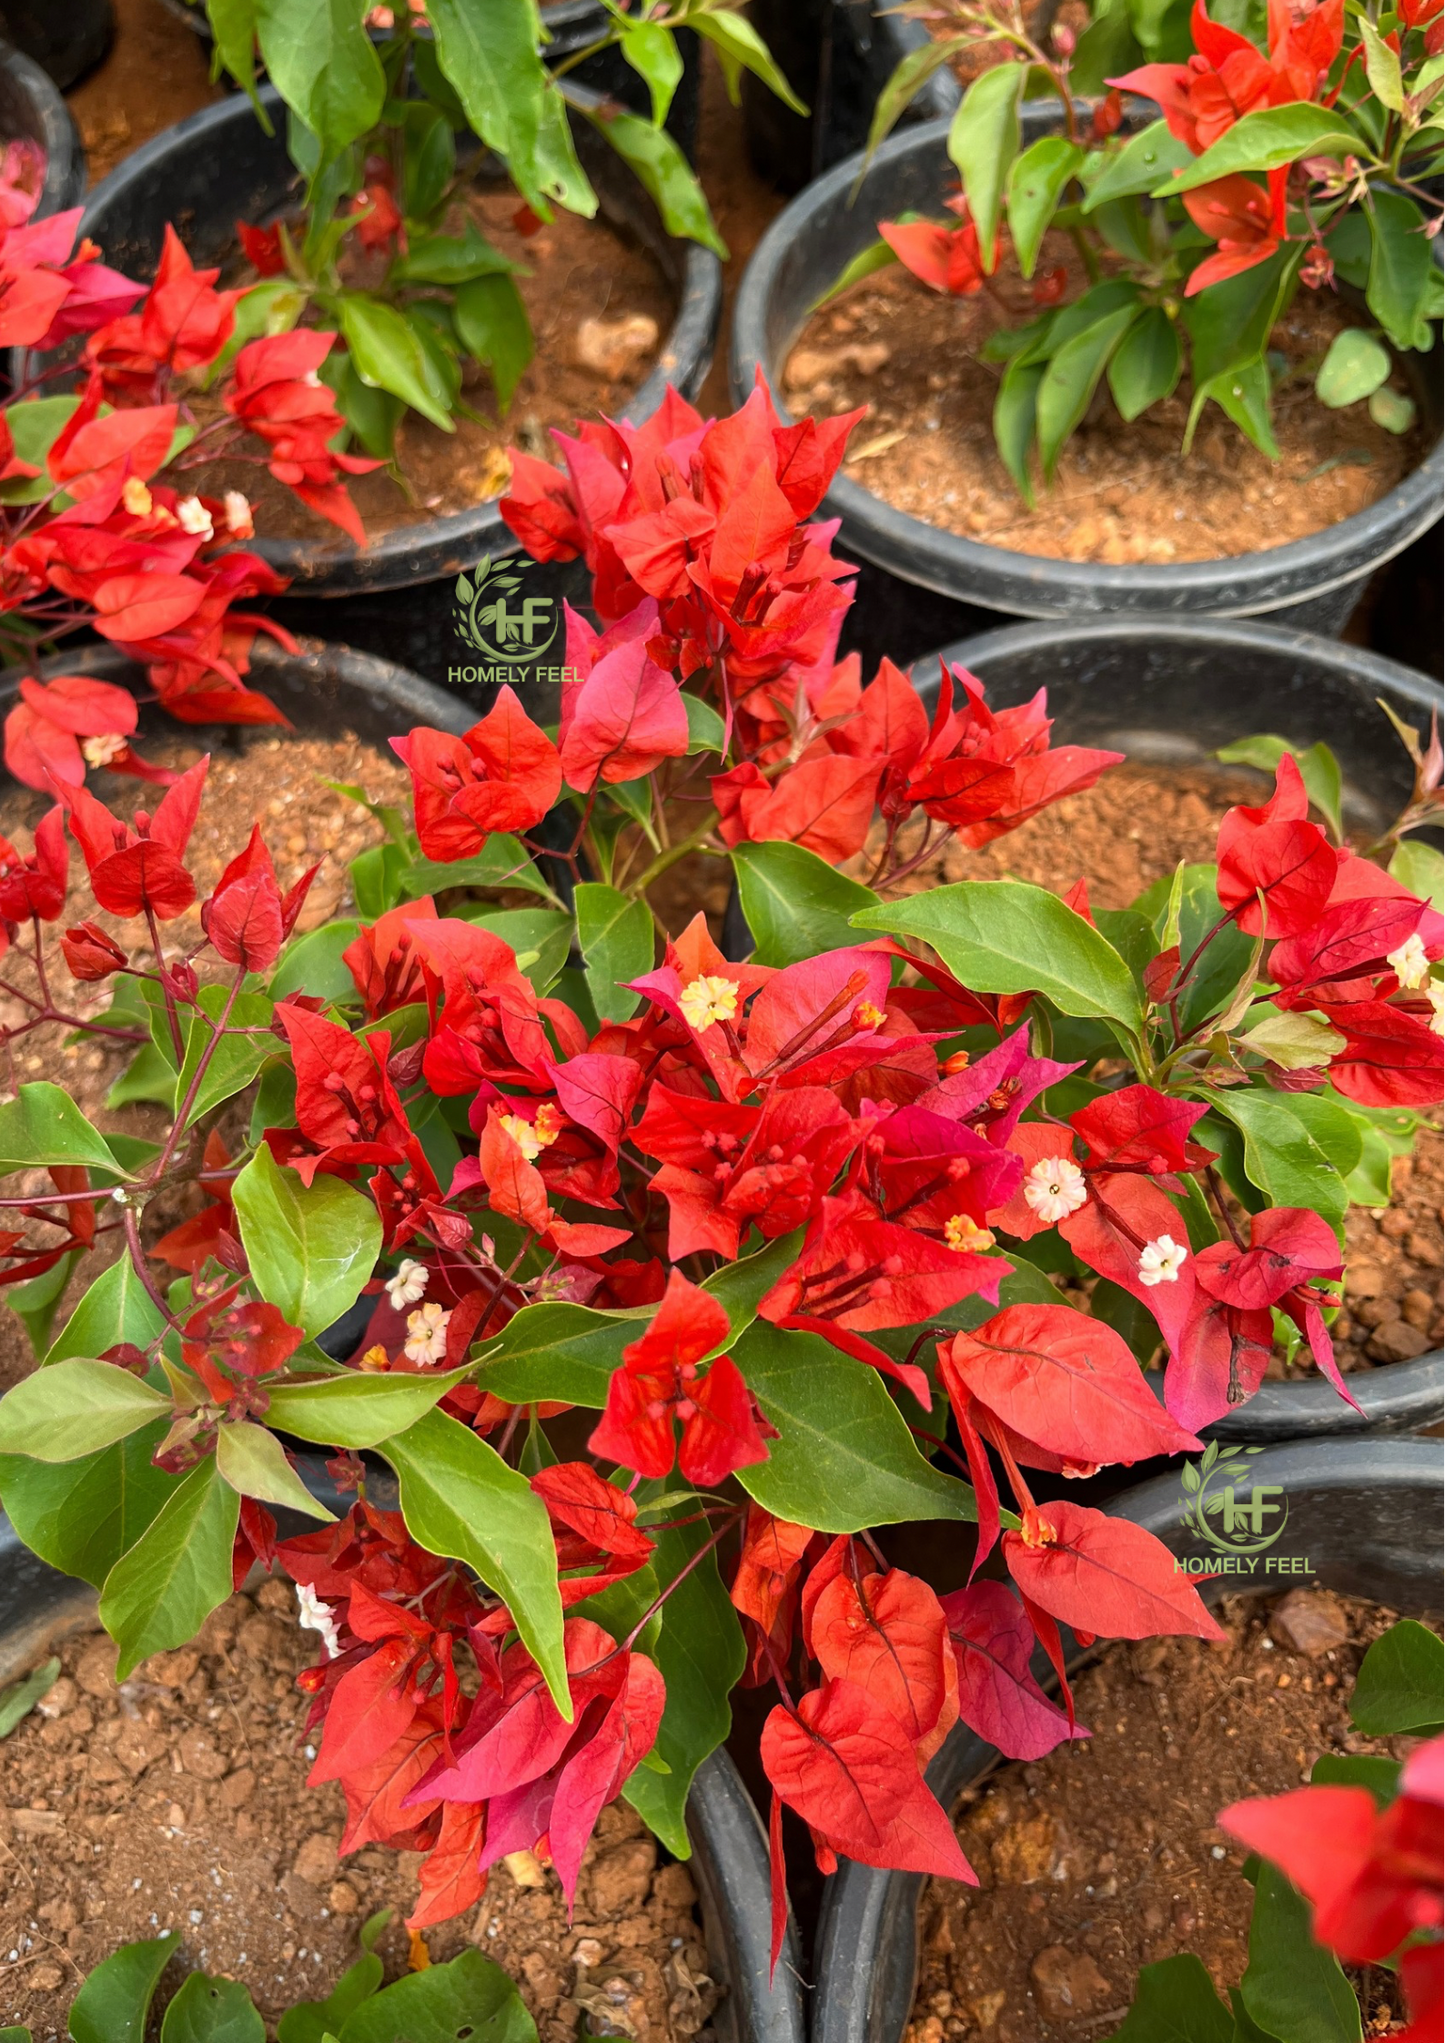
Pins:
x,y
20,1698
1354,365
1319,770
1400,1682
844,1458
312,2021
1036,183
254,1463
1280,1156
1070,379
1264,140
1003,936
653,54
615,937
738,1287
983,141
1106,49
1382,66
1421,868
1229,324
557,1353
1391,409
148,1076
212,2011
503,861
540,937
321,61
112,2005
43,1125
312,964
1146,365
1358,1770
1292,1986
1139,166
741,48
117,1307
493,326
876,256
907,79
234,1060
796,904
1402,269
1337,1131
1243,395
387,351
75,1408
311,1248
470,1997
706,731
490,57
1223,960
81,1516
431,159
664,173
1015,417
450,259
359,1408
160,1592
460,1499
1175,2002
272,306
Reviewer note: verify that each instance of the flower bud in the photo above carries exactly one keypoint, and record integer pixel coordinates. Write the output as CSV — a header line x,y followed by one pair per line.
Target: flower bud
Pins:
x,y
90,953
183,981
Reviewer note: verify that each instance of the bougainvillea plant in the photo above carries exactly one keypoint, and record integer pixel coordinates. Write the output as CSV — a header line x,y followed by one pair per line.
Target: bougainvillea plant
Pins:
x,y
1349,1867
1309,156
88,536
665,1258
376,103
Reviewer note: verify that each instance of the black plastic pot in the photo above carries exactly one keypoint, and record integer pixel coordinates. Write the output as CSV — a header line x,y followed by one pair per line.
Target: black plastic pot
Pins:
x,y
219,166
65,41
39,1607
32,110
1174,690
1366,1514
1313,582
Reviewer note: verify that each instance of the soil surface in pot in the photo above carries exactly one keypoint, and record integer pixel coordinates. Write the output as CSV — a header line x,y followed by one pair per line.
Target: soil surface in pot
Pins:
x,y
1105,1856
259,776
179,1801
600,308
1127,831
154,74
1121,494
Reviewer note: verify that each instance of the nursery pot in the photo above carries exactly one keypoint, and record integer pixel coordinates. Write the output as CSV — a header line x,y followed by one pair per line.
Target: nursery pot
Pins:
x,y
32,110
219,166
729,1864
1365,1514
1174,690
65,41
1313,582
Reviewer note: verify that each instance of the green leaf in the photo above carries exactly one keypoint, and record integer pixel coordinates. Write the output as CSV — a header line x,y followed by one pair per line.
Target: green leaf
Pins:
x,y
1400,1682
17,1701
558,1352
983,141
490,57
1035,184
1358,1770
663,171
212,2011
503,861
740,47
1229,324
1333,1127
1175,2002
75,1408
117,1307
845,1458
387,351
148,1076
43,1125
1106,49
908,78
1421,868
1003,936
460,1499
796,904
270,307
1015,416
1382,67
160,1593
1263,141
876,256
1391,409
738,1287
1296,1042
254,1462
1354,366
112,2005
706,731
1293,1986
81,1516
321,61
615,937
312,2021
1280,1156
1244,395
1145,158
1402,271
1318,766
1227,955
653,54
312,964
1071,378
450,259
470,1997
493,327
540,937
358,1409
1146,365
311,1248
431,159
236,1059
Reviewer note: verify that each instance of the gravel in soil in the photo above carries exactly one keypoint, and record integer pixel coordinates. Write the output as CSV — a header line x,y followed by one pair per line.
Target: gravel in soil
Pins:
x,y
1105,1856
276,781
178,1800
1120,495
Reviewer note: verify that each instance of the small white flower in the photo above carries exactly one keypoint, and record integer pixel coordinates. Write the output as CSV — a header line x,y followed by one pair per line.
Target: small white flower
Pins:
x,y
523,1134
708,1000
426,1334
408,1284
316,1617
1161,1260
1055,1188
239,522
1409,963
194,518
1437,1001
100,751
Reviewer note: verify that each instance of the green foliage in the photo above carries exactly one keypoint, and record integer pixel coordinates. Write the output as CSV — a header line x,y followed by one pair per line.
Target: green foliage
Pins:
x,y
1175,2002
311,1247
20,1698
615,938
1293,1987
1318,766
1400,1683
796,905
164,1587
983,142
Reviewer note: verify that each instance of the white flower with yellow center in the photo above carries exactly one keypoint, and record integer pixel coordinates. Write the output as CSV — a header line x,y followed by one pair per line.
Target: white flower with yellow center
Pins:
x,y
1409,963
707,1000
1055,1188
523,1134
966,1236
100,751
193,517
426,1334
1161,1260
315,1616
408,1284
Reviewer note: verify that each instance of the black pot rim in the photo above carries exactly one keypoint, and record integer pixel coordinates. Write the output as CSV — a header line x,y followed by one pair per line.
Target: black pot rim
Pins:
x,y
64,184
1396,1397
954,566
866,1934
441,547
